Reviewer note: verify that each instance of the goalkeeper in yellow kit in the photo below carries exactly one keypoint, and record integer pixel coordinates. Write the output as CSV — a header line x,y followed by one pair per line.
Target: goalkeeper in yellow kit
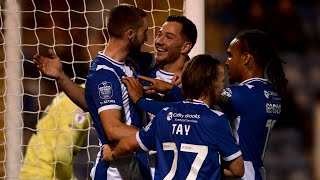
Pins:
x,y
59,136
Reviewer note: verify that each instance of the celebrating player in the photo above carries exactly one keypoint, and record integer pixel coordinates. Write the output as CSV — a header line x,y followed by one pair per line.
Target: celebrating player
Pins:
x,y
173,42
113,114
188,135
254,104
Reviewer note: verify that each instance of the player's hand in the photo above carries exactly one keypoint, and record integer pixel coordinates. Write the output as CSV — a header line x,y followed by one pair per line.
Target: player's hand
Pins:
x,y
135,89
176,80
106,153
156,85
51,67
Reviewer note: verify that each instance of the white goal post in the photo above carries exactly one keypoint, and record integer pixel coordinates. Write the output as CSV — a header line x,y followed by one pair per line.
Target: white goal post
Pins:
x,y
15,62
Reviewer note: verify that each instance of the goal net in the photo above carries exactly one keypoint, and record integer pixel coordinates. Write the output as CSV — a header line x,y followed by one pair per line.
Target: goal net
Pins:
x,y
74,29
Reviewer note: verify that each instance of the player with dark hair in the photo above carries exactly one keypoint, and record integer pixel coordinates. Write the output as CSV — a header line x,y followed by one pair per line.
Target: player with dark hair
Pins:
x,y
173,43
254,105
113,114
188,135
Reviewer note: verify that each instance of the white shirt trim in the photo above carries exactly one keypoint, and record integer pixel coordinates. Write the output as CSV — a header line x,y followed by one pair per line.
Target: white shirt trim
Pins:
x,y
140,142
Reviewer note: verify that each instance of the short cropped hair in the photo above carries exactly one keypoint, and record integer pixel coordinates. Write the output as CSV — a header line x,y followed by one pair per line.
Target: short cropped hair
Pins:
x,y
122,18
199,76
189,29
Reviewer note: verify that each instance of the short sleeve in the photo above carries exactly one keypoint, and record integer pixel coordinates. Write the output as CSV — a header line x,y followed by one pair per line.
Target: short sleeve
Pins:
x,y
104,89
147,135
227,146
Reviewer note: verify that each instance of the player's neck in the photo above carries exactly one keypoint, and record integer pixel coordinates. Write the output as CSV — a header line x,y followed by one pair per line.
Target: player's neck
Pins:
x,y
206,100
253,74
116,49
173,66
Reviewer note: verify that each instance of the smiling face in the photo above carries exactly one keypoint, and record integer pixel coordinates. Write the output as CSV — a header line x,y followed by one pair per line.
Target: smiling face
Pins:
x,y
169,42
234,61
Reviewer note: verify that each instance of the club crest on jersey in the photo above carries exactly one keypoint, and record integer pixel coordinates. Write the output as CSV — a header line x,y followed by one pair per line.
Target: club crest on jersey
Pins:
x,y
105,90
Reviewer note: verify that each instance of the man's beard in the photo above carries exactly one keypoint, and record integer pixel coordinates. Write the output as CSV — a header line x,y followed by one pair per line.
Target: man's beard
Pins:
x,y
135,45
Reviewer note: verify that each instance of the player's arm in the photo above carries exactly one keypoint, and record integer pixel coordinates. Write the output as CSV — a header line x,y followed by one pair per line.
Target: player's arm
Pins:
x,y
171,90
156,85
144,139
124,147
52,67
136,95
232,161
113,127
235,168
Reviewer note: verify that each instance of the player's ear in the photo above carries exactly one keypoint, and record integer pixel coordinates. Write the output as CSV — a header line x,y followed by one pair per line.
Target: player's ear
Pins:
x,y
186,47
246,58
129,34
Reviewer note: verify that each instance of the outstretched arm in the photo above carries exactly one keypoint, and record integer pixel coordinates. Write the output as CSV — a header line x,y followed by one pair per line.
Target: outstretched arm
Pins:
x,y
52,67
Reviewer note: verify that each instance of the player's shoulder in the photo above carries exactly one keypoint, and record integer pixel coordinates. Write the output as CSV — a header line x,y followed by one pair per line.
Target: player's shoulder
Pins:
x,y
102,62
253,84
246,87
101,72
231,93
201,109
214,119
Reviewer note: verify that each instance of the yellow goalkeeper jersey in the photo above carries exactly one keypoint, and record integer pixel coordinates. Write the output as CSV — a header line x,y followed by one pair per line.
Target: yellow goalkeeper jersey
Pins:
x,y
59,136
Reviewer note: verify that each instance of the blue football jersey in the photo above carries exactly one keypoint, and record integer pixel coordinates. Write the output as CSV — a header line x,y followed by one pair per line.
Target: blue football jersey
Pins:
x,y
254,107
159,74
189,137
104,91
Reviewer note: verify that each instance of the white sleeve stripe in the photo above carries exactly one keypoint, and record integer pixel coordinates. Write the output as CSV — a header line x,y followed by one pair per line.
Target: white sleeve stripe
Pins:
x,y
108,107
107,68
140,142
233,156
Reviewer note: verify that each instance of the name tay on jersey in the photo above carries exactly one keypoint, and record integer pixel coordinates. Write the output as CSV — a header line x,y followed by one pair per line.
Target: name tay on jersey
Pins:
x,y
180,129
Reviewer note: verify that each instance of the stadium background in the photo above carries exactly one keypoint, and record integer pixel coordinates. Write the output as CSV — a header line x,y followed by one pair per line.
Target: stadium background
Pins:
x,y
294,24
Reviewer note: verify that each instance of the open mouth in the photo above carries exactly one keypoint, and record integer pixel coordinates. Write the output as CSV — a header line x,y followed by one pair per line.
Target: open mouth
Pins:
x,y
160,50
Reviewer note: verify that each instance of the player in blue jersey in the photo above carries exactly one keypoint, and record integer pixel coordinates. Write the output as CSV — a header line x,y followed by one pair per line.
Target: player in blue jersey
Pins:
x,y
173,43
113,114
188,135
254,105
